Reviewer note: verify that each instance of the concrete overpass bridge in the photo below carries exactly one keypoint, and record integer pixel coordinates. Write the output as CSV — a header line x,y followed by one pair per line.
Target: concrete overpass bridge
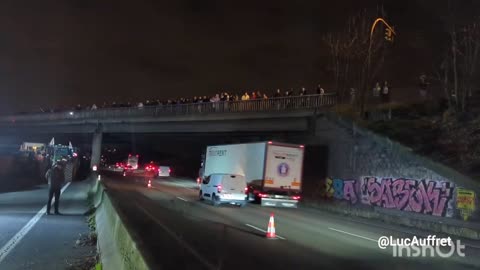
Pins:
x,y
275,115
342,152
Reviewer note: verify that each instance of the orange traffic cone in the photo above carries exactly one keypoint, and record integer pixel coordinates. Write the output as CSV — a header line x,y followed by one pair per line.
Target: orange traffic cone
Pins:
x,y
271,228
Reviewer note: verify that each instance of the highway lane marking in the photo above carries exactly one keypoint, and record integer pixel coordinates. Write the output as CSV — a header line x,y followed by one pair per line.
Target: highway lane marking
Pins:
x,y
262,230
180,198
356,235
15,240
178,239
188,186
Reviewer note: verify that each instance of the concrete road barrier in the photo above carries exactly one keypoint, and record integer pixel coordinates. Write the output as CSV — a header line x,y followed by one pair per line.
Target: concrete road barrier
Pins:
x,y
116,246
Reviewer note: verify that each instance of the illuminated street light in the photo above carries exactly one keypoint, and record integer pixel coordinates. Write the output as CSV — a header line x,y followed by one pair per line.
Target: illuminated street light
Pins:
x,y
389,32
71,113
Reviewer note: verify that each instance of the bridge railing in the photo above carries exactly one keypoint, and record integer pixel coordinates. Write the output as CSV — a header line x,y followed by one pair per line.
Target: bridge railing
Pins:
x,y
258,105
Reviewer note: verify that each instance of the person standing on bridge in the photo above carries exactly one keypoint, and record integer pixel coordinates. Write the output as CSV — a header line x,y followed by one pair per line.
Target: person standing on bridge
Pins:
x,y
55,176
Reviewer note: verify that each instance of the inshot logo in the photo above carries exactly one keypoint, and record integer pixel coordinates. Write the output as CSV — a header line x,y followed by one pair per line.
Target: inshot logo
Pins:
x,y
422,247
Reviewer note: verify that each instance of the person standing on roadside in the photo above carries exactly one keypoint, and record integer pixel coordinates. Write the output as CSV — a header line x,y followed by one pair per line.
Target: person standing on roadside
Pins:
x,y
55,176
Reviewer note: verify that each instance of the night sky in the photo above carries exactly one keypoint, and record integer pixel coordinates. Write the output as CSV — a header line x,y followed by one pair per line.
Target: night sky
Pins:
x,y
87,51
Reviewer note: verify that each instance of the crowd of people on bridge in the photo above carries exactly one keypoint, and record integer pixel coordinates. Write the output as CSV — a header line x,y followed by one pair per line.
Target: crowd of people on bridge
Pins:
x,y
222,96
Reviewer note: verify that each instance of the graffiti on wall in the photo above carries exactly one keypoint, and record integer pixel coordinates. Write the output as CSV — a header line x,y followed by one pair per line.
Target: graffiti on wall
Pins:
x,y
341,189
465,202
419,196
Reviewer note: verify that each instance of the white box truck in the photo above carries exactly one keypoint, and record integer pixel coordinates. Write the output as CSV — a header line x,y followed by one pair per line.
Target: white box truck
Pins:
x,y
273,171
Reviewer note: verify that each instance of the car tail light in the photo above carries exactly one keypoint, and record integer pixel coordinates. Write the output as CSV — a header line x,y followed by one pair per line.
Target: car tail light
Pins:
x,y
219,188
159,170
198,180
169,170
261,195
296,198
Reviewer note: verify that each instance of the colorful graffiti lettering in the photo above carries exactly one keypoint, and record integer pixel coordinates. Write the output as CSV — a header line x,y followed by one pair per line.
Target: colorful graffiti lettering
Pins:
x,y
427,197
329,188
465,202
340,189
419,196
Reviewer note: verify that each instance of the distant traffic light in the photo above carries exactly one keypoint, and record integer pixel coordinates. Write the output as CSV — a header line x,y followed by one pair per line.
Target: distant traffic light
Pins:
x,y
389,34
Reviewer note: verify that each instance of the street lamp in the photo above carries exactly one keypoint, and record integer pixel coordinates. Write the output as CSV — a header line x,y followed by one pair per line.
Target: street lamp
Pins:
x,y
389,35
389,32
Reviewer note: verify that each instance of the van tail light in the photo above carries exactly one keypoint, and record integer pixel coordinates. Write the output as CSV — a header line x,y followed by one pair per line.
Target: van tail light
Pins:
x,y
169,170
296,198
219,188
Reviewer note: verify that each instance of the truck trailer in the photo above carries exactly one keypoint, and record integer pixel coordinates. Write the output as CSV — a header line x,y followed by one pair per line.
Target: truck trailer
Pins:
x,y
273,170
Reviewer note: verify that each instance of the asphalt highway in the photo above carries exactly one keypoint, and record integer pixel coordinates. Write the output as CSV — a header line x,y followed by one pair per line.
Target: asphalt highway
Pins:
x,y
177,231
29,239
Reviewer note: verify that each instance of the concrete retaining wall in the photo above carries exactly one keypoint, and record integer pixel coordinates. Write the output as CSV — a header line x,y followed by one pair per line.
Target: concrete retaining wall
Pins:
x,y
375,177
116,246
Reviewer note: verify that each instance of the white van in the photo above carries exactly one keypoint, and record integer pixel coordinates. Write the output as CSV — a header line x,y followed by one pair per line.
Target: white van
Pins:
x,y
164,171
224,188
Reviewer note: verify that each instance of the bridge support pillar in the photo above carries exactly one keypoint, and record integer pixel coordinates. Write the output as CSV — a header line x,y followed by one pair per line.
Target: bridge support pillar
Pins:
x,y
96,148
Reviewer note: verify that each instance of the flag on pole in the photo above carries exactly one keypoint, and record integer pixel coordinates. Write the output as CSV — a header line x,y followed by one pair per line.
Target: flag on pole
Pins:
x,y
52,142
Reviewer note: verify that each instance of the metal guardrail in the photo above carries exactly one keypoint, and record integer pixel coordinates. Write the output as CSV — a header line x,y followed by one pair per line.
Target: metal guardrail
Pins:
x,y
258,105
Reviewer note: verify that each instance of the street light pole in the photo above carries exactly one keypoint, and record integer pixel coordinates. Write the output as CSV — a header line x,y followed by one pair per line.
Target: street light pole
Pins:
x,y
389,34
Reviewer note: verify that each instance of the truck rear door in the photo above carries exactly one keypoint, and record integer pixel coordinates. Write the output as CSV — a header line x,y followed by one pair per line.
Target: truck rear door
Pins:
x,y
283,168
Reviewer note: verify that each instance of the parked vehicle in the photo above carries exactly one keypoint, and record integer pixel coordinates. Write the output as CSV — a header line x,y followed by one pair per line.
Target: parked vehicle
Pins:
x,y
224,188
